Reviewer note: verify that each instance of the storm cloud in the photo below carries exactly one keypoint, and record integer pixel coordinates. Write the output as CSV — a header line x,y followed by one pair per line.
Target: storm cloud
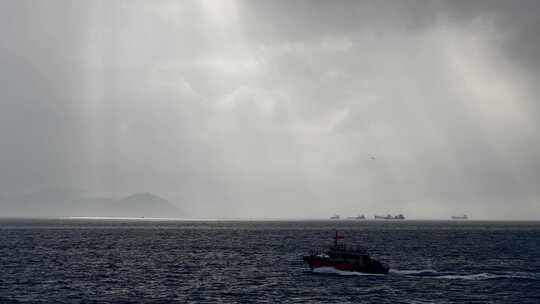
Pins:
x,y
276,108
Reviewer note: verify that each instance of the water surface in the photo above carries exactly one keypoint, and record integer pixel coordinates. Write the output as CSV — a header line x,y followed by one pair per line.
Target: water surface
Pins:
x,y
96,260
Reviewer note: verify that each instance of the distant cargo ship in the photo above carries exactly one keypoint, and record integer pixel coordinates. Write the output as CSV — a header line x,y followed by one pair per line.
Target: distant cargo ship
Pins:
x,y
359,217
460,217
390,217
335,217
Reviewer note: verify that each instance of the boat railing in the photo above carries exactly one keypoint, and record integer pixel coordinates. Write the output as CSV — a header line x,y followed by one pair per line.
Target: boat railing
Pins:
x,y
349,248
318,250
339,248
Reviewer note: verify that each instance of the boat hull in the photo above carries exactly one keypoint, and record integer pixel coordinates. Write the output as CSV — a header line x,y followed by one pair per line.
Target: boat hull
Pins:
x,y
366,266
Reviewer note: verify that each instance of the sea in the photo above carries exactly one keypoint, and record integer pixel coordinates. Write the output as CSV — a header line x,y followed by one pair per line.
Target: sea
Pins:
x,y
197,261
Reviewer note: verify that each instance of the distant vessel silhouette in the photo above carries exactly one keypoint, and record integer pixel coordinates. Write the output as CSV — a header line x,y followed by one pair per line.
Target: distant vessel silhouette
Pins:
x,y
389,217
345,258
335,217
460,217
359,217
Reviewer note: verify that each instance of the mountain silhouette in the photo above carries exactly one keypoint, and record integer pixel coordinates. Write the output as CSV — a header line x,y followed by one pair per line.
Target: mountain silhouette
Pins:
x,y
74,202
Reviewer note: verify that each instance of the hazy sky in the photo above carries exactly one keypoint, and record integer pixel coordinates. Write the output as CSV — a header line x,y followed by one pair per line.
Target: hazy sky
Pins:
x,y
276,108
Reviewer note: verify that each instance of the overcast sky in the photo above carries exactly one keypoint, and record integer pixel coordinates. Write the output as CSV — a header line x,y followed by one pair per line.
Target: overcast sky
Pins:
x,y
276,108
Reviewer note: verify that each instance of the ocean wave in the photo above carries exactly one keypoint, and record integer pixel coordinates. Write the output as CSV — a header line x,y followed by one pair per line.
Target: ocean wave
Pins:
x,y
430,273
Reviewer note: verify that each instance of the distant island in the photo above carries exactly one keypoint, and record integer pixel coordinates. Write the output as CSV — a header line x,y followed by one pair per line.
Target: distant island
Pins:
x,y
69,202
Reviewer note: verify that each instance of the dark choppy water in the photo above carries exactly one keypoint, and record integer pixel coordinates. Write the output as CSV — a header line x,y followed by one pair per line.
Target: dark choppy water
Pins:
x,y
118,261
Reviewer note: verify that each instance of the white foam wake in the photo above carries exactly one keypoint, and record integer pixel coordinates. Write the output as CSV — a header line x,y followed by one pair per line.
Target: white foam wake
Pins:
x,y
332,270
430,273
417,272
474,277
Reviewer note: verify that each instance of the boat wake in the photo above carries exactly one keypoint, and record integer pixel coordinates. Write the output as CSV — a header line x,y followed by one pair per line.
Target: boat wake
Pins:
x,y
430,273
333,271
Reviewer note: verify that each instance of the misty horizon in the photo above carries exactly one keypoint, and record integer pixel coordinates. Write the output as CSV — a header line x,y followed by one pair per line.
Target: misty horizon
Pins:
x,y
274,109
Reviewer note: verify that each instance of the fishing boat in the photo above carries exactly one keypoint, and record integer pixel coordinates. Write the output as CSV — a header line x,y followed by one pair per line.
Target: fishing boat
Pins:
x,y
345,258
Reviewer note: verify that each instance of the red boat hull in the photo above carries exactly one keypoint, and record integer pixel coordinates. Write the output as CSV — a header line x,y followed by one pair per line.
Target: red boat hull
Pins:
x,y
368,266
